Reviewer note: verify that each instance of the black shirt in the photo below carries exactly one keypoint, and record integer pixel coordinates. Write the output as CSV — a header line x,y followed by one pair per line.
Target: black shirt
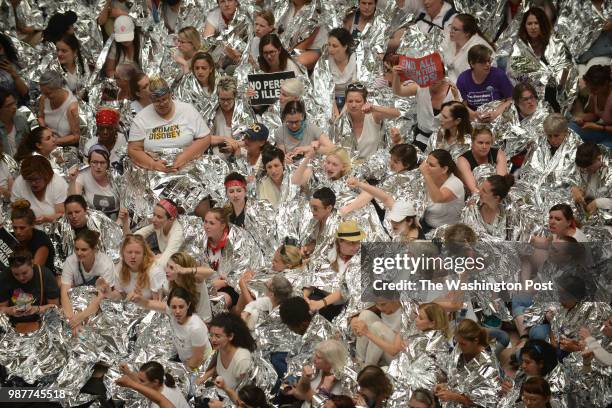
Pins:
x,y
238,219
11,290
491,157
40,239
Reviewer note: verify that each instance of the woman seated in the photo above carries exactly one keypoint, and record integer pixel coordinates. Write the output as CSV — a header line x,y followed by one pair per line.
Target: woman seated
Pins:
x,y
203,69
69,56
165,233
226,95
336,166
152,375
108,136
375,387
464,33
329,359
188,43
218,19
525,98
33,239
273,57
58,109
342,63
183,272
189,332
536,390
84,267
595,123
482,84
14,126
26,291
488,214
366,121
126,47
287,256
481,153
297,133
264,24
94,183
139,91
445,193
233,345
430,103
561,222
355,23
40,141
10,79
45,190
278,288
167,123
270,187
472,350
137,275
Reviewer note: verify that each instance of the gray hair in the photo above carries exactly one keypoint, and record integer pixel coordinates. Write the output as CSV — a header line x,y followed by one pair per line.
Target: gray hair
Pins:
x,y
555,124
294,87
281,288
227,84
334,353
52,79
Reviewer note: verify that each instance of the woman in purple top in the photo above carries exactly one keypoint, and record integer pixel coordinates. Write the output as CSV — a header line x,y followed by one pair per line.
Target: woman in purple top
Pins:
x,y
483,83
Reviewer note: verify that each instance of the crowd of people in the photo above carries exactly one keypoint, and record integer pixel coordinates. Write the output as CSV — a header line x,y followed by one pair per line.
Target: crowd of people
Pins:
x,y
134,163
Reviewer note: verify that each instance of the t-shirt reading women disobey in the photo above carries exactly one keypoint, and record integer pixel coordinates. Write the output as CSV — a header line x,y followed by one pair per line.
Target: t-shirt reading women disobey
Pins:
x,y
177,132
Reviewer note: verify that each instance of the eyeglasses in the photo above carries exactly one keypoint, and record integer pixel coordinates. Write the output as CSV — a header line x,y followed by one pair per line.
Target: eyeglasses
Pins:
x,y
355,85
293,122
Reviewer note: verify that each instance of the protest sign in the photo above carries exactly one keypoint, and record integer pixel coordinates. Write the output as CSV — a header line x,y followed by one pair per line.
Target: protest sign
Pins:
x,y
267,86
424,71
7,241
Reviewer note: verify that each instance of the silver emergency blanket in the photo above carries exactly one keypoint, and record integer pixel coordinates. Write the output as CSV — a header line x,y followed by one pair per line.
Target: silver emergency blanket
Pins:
x,y
555,70
580,23
499,229
556,380
478,378
489,14
299,26
62,235
557,170
599,185
190,90
456,149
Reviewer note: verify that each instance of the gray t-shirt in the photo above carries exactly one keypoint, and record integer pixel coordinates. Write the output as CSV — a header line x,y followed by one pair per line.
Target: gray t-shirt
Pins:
x,y
311,133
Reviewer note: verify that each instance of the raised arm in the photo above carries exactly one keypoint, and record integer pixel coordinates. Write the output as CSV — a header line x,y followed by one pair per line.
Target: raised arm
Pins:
x,y
466,174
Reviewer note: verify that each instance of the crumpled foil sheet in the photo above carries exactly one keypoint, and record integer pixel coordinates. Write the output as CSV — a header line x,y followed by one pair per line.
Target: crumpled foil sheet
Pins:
x,y
478,378
62,235
579,23
559,70
597,186
556,379
189,90
303,23
489,14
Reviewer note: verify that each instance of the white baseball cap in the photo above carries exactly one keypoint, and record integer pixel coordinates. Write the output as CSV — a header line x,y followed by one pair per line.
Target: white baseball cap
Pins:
x,y
401,210
124,29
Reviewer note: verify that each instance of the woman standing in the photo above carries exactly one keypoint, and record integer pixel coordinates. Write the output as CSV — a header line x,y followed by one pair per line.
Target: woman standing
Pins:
x,y
165,232
58,109
94,183
45,190
233,344
137,275
365,120
455,129
481,153
445,193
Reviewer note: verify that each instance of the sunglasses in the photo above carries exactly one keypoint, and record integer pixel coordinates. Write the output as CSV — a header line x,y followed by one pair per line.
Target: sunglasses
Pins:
x,y
355,86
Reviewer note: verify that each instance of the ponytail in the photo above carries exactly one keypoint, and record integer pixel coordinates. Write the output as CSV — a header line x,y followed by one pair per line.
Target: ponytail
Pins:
x,y
169,380
470,330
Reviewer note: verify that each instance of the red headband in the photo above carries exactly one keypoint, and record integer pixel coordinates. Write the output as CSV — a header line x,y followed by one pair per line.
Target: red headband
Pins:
x,y
235,183
107,117
169,207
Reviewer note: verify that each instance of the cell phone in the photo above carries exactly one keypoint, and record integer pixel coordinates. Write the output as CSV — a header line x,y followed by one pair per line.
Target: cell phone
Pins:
x,y
22,308
298,157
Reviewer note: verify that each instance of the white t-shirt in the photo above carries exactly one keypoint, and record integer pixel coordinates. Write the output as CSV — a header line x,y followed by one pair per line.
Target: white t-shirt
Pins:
x,y
203,310
168,244
73,271
221,128
54,194
98,197
393,320
157,278
11,145
416,7
437,214
175,396
239,366
5,174
120,144
193,333
178,132
256,308
215,19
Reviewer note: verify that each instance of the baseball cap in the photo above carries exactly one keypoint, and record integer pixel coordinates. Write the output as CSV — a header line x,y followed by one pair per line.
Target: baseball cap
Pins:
x,y
257,131
124,29
401,210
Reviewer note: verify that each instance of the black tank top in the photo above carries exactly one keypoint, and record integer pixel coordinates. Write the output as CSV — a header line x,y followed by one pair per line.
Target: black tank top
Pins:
x,y
491,157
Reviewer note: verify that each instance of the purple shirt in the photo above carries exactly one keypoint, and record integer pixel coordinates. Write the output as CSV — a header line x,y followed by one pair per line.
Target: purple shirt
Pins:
x,y
496,86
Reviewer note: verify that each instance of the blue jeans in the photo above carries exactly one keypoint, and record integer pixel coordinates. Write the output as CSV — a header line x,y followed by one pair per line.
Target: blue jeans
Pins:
x,y
501,337
279,363
595,136
539,332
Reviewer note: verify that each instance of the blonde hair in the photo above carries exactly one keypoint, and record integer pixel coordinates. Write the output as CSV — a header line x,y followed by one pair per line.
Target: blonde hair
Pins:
x,y
186,281
228,84
344,157
193,36
291,256
334,353
148,260
436,314
294,87
472,331
157,83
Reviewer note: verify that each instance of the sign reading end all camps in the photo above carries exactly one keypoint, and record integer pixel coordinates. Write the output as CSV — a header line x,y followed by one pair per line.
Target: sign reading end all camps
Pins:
x,y
424,71
267,86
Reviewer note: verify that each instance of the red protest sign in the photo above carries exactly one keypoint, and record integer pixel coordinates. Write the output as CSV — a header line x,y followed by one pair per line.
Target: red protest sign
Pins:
x,y
424,71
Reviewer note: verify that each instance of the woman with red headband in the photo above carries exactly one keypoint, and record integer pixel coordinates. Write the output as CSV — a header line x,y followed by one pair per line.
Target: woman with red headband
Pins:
x,y
236,190
165,234
94,182
107,124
